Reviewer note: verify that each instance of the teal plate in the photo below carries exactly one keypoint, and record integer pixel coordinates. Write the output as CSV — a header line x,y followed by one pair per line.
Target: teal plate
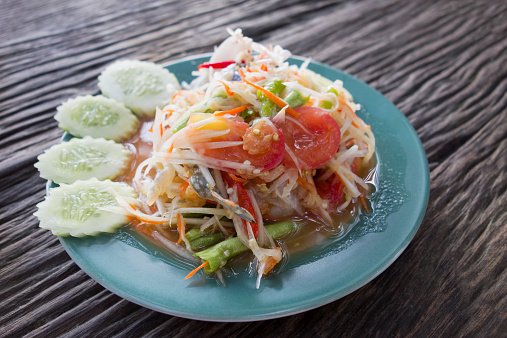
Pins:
x,y
324,273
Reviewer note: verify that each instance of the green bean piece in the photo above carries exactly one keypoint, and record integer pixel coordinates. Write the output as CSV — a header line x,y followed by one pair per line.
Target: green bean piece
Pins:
x,y
294,99
205,241
267,108
194,233
247,114
276,87
326,105
217,255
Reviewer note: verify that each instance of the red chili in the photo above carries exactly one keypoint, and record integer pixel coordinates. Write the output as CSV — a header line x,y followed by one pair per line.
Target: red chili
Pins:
x,y
243,201
215,65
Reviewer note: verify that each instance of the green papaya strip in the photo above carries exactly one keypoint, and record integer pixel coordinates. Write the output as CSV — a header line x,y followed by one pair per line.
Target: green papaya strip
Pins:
x,y
217,255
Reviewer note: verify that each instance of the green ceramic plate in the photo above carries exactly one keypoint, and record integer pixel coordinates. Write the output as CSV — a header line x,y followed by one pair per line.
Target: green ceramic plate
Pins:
x,y
320,275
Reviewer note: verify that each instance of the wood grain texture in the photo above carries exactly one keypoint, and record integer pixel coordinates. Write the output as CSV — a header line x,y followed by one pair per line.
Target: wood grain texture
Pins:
x,y
443,63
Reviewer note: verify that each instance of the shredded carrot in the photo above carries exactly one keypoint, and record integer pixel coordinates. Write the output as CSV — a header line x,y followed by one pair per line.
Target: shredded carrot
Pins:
x,y
231,112
237,179
278,101
258,78
167,112
183,187
263,54
227,88
305,184
151,129
365,205
264,67
181,227
197,269
179,92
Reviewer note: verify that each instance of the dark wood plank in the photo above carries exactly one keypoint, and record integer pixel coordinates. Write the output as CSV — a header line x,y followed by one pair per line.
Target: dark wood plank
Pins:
x,y
441,62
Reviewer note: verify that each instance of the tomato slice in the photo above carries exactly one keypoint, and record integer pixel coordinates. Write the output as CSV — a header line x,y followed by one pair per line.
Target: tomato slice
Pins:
x,y
243,201
264,150
313,137
332,188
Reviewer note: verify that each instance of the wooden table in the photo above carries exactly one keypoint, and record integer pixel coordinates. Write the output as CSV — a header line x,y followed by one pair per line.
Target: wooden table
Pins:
x,y
443,63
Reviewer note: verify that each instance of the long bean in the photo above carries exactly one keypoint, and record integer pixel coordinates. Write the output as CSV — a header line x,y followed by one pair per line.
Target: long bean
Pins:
x,y
218,255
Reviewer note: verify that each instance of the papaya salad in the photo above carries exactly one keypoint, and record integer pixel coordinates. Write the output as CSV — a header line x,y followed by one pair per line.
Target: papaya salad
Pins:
x,y
252,145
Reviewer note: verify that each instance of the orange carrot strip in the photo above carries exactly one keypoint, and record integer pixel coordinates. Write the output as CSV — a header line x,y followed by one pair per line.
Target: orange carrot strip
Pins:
x,y
365,205
258,78
183,187
227,88
237,179
231,112
196,269
181,227
305,184
264,67
278,101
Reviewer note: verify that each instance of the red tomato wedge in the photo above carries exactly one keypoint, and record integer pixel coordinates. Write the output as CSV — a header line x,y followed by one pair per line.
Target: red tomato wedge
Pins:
x,y
331,189
313,137
264,149
243,201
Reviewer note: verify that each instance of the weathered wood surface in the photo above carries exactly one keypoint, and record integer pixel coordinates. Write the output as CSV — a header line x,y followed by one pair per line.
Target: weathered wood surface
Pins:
x,y
443,63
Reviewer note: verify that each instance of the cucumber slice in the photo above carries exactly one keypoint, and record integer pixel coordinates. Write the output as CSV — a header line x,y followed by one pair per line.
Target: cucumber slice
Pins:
x,y
81,159
96,116
75,209
142,86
